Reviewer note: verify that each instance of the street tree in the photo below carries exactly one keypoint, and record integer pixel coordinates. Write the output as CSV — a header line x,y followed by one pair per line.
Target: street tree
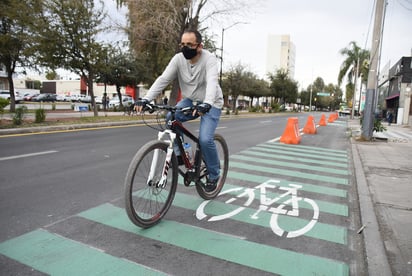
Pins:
x,y
122,68
52,75
356,64
155,27
304,96
256,89
16,39
335,97
68,38
238,81
284,89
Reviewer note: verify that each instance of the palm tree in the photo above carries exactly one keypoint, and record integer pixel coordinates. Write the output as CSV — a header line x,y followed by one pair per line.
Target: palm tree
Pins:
x,y
356,64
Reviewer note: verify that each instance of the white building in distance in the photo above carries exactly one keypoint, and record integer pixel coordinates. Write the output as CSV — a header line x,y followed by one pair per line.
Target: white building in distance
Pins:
x,y
280,55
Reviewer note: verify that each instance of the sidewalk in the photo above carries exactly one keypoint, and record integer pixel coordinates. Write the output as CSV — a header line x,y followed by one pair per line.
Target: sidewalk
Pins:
x,y
383,170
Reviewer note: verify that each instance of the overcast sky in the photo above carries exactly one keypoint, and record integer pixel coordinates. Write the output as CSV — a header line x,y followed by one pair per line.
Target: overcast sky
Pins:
x,y
319,29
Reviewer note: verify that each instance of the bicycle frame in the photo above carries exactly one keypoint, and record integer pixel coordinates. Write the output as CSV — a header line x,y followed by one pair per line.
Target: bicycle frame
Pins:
x,y
170,136
177,126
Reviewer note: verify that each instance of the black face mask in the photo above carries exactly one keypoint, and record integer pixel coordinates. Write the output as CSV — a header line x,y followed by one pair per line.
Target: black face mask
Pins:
x,y
188,52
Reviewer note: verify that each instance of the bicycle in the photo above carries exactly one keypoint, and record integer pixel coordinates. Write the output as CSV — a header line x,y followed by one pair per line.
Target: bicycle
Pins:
x,y
266,205
152,177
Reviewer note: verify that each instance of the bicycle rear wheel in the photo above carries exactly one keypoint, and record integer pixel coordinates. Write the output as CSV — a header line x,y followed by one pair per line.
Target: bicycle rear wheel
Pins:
x,y
147,199
223,153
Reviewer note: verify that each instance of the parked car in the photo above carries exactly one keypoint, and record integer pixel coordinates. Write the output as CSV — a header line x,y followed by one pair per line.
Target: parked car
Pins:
x,y
86,99
345,111
5,94
126,101
63,98
77,97
29,96
98,99
45,97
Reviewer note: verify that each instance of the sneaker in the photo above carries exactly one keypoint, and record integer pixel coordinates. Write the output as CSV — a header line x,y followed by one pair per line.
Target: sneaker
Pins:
x,y
210,185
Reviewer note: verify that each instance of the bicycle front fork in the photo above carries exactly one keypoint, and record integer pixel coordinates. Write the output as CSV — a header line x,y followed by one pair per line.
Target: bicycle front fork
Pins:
x,y
162,136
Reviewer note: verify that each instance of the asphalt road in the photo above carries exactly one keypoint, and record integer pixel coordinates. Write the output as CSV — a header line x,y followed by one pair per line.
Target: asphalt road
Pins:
x,y
61,206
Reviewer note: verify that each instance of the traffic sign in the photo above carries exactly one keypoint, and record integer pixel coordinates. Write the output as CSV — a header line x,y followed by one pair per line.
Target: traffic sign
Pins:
x,y
323,94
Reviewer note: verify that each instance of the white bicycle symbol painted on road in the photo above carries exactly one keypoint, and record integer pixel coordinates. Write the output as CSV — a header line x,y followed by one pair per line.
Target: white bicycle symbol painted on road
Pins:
x,y
266,203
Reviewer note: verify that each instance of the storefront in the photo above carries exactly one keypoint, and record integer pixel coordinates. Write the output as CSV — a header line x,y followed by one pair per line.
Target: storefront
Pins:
x,y
395,92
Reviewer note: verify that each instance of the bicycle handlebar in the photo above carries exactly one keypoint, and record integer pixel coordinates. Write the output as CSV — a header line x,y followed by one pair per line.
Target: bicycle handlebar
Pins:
x,y
153,107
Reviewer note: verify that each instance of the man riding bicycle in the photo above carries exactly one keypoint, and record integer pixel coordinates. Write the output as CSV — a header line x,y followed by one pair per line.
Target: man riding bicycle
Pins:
x,y
197,73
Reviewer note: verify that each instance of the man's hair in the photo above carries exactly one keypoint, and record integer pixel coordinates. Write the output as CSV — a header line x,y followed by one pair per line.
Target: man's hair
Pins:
x,y
197,34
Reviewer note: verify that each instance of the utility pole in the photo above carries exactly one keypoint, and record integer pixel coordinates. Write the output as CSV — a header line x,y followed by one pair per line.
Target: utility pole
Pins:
x,y
368,116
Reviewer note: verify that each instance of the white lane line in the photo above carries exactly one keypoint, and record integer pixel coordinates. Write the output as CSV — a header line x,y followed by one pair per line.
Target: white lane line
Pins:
x,y
27,155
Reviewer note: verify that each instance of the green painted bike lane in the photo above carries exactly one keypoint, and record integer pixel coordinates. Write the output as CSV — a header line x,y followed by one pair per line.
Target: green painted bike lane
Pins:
x,y
281,261
226,247
56,255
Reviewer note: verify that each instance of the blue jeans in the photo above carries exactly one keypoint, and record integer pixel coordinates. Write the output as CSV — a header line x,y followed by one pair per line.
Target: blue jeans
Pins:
x,y
208,124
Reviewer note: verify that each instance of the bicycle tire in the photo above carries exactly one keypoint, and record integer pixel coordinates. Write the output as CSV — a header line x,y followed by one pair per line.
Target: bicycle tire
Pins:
x,y
223,152
145,200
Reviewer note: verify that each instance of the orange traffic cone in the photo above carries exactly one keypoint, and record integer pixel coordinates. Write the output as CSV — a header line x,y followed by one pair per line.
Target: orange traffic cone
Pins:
x,y
291,134
331,118
322,121
310,127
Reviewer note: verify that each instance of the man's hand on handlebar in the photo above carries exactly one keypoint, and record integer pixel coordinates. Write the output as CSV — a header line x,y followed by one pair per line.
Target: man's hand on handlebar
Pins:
x,y
145,104
201,109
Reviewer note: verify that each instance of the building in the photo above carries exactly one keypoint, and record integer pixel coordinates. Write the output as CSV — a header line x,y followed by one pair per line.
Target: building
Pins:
x,y
75,87
4,84
280,55
65,87
394,93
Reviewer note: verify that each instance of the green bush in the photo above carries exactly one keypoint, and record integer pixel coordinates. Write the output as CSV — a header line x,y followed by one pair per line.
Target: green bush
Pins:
x,y
3,104
40,115
275,107
19,115
254,109
377,126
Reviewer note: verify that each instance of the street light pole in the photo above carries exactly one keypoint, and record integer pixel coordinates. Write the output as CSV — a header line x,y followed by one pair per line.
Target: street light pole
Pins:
x,y
221,49
221,59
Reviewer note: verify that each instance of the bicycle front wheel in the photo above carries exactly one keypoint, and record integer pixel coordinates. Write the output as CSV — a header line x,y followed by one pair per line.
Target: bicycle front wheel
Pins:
x,y
149,191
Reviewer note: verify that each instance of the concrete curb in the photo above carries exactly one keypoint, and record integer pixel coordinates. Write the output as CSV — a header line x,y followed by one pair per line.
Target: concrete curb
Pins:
x,y
41,129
